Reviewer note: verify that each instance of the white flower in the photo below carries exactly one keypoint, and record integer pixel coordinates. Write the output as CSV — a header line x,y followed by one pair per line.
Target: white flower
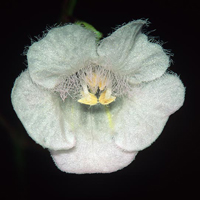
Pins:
x,y
95,105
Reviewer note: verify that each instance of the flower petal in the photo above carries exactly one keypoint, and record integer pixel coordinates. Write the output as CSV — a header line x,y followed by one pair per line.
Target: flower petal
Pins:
x,y
63,51
41,114
142,119
95,151
92,157
127,51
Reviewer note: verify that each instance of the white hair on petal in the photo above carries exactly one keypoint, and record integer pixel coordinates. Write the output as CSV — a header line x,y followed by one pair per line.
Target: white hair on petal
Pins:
x,y
43,35
72,85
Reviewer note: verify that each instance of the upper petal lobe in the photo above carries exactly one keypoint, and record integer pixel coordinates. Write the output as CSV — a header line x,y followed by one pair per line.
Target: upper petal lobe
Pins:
x,y
62,52
128,52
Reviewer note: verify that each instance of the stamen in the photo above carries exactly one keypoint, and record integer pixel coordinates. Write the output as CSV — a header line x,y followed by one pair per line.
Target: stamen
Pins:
x,y
95,84
102,84
92,83
106,98
89,99
85,90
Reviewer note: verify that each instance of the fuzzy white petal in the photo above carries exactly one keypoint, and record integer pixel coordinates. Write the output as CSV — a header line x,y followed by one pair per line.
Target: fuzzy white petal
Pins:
x,y
92,157
41,114
95,151
142,119
128,52
63,51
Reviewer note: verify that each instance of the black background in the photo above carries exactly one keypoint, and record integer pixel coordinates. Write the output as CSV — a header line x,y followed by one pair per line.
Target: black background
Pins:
x,y
167,169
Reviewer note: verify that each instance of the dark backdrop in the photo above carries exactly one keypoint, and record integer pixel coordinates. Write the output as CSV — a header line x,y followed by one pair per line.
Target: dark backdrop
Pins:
x,y
167,169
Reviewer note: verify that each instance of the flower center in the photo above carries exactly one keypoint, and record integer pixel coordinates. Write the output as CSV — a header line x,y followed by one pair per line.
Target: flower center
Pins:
x,y
93,86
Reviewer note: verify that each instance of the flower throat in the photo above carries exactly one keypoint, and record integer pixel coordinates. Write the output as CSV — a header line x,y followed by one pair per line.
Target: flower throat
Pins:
x,y
93,85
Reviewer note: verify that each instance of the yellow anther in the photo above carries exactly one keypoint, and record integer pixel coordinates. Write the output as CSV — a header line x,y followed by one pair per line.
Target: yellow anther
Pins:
x,y
105,101
94,82
88,99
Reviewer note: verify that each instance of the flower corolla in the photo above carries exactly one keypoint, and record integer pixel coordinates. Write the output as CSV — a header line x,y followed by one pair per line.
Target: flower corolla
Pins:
x,y
93,104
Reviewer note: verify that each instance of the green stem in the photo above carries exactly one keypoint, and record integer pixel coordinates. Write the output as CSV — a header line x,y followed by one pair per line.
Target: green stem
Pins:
x,y
67,11
70,7
88,26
